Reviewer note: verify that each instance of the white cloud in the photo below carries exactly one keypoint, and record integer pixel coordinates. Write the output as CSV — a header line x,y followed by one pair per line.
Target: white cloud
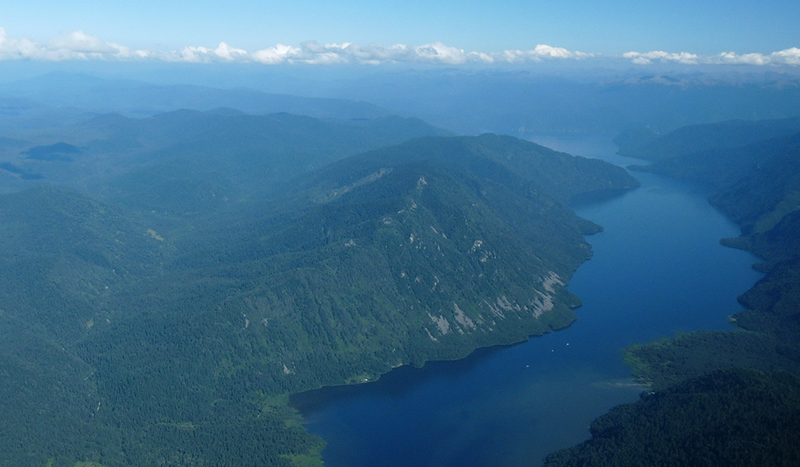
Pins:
x,y
731,58
648,58
789,56
78,45
539,53
314,53
16,48
275,55
439,53
193,55
80,42
229,53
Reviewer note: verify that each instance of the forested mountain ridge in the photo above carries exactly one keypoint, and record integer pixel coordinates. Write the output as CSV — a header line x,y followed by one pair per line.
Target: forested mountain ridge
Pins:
x,y
693,139
144,346
186,163
556,173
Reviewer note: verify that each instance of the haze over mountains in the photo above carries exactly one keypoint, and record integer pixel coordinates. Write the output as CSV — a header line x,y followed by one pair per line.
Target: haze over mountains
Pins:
x,y
516,102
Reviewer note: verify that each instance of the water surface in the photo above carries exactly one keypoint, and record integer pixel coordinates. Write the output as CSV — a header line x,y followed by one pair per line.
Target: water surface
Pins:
x,y
657,269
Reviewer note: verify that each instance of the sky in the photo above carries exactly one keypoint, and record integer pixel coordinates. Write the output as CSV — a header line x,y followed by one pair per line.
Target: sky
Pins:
x,y
357,31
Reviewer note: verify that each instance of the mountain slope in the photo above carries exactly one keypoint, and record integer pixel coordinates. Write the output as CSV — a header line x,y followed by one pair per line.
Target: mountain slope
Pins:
x,y
151,348
713,136
732,418
427,230
763,196
186,162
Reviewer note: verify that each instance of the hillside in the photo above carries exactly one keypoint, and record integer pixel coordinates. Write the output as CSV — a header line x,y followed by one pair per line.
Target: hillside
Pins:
x,y
721,136
188,162
145,346
732,418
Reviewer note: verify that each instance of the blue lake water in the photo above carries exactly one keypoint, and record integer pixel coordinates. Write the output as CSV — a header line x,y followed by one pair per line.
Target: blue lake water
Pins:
x,y
657,269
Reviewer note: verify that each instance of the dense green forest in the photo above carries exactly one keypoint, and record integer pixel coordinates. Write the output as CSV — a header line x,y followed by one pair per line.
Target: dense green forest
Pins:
x,y
732,417
166,282
723,397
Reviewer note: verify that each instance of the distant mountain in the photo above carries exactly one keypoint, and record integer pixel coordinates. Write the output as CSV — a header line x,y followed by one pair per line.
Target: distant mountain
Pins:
x,y
29,116
188,161
755,185
516,102
177,346
224,126
767,192
92,94
557,173
529,103
698,140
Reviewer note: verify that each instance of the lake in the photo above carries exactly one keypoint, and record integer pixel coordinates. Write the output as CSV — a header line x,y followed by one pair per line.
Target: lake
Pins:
x,y
657,269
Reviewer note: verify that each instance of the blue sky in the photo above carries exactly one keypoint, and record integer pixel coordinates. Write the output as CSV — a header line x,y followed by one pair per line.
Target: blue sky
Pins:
x,y
597,28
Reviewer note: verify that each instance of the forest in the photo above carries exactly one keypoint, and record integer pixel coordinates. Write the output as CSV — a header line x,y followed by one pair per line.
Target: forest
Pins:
x,y
167,281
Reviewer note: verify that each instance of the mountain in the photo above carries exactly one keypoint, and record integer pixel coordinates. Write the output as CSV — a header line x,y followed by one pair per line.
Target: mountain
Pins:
x,y
548,101
429,230
53,152
62,253
756,185
189,161
144,346
558,174
135,98
695,141
768,192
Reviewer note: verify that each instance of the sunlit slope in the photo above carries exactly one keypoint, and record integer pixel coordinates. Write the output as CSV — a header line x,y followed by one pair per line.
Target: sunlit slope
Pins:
x,y
396,256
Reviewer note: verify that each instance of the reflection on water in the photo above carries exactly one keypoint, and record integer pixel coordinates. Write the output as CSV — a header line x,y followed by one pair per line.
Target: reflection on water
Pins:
x,y
658,268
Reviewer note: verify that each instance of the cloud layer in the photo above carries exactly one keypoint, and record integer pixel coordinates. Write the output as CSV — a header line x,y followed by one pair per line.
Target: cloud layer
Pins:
x,y
78,45
789,56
